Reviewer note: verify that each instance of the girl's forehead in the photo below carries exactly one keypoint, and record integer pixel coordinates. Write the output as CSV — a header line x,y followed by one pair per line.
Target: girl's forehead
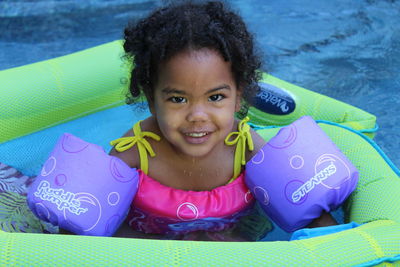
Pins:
x,y
189,60
203,67
190,55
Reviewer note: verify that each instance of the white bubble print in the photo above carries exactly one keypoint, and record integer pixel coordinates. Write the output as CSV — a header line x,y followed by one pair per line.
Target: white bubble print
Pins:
x,y
259,157
296,162
261,195
187,212
113,198
49,166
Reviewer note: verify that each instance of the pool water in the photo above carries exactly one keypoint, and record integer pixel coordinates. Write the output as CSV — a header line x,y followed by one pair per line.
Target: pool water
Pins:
x,y
349,50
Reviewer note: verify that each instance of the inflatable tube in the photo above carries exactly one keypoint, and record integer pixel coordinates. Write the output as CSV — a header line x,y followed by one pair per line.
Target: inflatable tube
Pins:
x,y
40,95
95,79
66,88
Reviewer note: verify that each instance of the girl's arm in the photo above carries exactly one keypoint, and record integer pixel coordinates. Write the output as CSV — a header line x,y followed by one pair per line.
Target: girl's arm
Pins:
x,y
130,156
326,219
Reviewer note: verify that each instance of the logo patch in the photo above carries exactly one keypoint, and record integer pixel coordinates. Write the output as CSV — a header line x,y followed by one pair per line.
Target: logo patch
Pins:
x,y
63,200
274,100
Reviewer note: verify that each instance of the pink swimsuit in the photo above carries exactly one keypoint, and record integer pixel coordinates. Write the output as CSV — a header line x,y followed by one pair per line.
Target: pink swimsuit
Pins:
x,y
159,209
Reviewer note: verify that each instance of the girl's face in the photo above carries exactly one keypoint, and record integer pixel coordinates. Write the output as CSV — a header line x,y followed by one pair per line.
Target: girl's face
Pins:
x,y
195,100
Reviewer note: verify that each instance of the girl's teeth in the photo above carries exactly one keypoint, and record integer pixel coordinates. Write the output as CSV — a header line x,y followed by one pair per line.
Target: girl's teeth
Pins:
x,y
196,134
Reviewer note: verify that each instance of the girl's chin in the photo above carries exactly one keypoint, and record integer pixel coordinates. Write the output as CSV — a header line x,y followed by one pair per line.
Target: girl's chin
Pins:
x,y
189,146
196,154
196,150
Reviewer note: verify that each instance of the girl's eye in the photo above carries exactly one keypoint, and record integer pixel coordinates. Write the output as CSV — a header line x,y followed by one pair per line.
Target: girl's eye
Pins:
x,y
177,99
216,98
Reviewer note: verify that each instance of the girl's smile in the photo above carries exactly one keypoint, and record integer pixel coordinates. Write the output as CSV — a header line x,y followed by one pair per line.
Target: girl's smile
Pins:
x,y
195,99
197,137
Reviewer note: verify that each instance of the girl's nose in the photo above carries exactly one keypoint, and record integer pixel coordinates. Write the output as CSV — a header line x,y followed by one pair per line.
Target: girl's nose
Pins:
x,y
197,112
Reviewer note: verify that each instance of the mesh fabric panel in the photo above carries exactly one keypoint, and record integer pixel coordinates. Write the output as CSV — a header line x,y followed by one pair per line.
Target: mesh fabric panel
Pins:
x,y
47,93
378,239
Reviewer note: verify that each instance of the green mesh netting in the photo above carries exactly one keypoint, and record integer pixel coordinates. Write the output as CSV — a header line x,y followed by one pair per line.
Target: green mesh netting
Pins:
x,y
51,92
379,239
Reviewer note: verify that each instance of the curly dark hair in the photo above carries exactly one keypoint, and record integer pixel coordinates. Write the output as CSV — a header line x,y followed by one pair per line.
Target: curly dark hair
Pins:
x,y
170,30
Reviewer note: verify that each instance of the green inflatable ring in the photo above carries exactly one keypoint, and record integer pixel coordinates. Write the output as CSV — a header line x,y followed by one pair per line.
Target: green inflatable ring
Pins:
x,y
69,87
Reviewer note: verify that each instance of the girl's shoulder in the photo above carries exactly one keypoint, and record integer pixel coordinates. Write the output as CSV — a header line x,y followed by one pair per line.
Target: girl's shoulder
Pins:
x,y
258,142
131,155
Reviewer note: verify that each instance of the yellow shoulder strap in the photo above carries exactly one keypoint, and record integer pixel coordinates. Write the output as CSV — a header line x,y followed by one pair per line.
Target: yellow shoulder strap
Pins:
x,y
125,143
240,139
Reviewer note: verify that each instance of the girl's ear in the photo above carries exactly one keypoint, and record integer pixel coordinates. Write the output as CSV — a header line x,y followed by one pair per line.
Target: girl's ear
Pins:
x,y
150,102
151,106
238,100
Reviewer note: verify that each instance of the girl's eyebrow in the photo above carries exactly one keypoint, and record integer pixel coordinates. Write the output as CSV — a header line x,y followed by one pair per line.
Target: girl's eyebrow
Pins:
x,y
169,90
221,87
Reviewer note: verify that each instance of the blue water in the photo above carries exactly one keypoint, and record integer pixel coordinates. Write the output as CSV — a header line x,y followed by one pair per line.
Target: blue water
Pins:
x,y
349,50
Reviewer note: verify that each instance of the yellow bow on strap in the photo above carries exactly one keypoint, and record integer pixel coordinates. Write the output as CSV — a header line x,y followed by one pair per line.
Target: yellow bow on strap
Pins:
x,y
124,143
240,139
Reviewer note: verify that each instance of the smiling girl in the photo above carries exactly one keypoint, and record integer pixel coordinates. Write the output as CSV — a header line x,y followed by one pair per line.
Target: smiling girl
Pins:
x,y
196,66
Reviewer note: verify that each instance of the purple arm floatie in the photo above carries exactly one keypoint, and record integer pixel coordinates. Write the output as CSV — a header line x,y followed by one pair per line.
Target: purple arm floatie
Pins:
x,y
298,174
82,189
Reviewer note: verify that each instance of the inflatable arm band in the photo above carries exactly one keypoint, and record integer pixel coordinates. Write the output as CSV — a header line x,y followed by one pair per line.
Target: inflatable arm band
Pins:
x,y
298,174
82,189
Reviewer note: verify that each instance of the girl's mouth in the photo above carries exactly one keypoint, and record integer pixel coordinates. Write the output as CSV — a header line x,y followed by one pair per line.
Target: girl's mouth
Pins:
x,y
196,134
196,137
